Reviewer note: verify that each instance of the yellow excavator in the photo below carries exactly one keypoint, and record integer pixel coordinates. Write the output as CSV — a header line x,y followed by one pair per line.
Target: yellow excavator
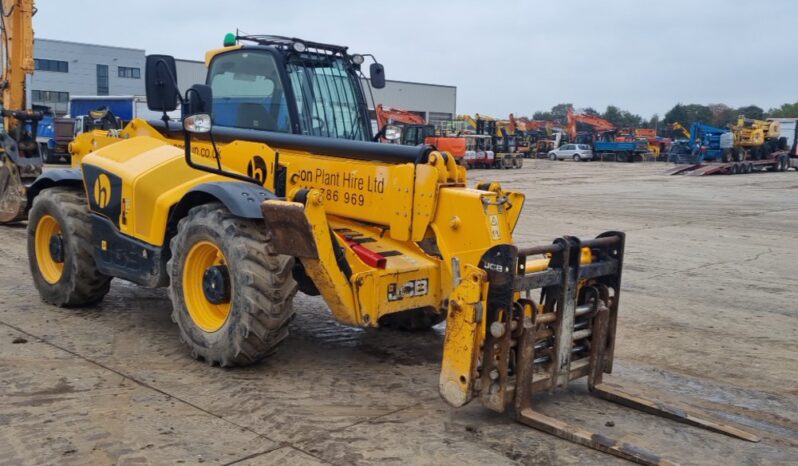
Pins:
x,y
272,182
20,159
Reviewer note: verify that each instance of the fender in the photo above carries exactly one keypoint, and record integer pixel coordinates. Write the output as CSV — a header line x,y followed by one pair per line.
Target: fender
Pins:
x,y
56,177
241,199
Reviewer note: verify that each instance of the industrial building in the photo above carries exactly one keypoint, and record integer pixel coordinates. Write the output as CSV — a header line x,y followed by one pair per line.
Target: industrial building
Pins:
x,y
65,69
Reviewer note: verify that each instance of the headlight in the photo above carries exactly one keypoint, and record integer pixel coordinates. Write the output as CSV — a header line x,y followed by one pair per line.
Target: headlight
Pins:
x,y
358,59
299,47
393,133
199,123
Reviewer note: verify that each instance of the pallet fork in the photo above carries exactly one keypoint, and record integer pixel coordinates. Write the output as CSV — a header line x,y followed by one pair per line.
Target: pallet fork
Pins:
x,y
532,347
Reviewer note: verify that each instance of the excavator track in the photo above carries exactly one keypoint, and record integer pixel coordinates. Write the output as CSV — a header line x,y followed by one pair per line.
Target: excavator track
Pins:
x,y
13,200
542,346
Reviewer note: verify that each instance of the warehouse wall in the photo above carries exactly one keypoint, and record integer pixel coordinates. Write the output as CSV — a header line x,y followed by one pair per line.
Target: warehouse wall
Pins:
x,y
189,72
81,77
435,102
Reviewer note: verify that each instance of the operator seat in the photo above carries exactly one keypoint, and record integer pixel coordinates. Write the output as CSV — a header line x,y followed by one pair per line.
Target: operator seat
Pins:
x,y
255,116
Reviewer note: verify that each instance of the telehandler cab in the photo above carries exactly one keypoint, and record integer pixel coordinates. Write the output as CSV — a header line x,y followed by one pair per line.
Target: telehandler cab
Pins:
x,y
272,183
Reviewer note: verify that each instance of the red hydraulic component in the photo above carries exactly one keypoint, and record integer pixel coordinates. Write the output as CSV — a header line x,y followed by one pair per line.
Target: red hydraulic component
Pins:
x,y
369,257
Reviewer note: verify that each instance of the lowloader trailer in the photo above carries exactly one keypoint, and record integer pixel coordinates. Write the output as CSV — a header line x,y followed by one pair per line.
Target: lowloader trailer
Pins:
x,y
234,220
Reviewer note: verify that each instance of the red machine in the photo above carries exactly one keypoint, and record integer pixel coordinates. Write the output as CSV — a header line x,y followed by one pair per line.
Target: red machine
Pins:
x,y
415,130
599,124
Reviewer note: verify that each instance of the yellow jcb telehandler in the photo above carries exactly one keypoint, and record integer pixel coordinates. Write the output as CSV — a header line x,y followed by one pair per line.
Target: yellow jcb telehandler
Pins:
x,y
273,182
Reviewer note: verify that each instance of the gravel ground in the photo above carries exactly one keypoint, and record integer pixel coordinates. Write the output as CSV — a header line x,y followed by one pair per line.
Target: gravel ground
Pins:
x,y
709,318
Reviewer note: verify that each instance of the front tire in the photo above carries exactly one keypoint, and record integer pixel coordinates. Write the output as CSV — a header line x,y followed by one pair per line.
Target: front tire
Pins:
x,y
231,297
60,250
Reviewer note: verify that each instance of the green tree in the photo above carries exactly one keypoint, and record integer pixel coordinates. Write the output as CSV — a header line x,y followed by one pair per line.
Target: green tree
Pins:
x,y
622,118
559,112
688,114
752,111
785,111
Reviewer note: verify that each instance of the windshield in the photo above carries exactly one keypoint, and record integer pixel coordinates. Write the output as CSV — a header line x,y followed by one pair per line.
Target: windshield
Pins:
x,y
247,92
328,101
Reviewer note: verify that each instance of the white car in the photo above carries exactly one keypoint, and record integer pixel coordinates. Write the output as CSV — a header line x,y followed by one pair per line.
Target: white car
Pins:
x,y
576,152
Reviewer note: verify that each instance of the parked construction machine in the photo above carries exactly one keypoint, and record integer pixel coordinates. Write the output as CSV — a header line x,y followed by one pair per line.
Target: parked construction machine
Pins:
x,y
415,131
492,145
706,143
603,139
234,218
20,157
750,146
756,139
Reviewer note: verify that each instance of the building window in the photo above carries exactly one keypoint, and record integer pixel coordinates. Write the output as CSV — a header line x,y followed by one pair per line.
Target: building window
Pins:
x,y
56,101
49,96
58,66
128,72
438,118
102,80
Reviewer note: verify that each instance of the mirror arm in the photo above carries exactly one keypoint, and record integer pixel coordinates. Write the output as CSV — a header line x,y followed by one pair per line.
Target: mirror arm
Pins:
x,y
165,116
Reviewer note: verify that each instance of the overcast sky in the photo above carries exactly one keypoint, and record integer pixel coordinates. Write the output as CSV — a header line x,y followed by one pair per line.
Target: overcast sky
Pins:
x,y
503,56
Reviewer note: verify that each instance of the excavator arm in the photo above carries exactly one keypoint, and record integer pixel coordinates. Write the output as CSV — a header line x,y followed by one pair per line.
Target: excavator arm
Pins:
x,y
600,124
20,160
397,115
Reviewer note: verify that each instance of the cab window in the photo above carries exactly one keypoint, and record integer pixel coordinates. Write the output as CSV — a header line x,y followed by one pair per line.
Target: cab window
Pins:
x,y
247,92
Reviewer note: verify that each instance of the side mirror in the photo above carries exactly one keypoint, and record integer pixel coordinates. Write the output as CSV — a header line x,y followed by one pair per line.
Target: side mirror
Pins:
x,y
160,75
377,75
200,99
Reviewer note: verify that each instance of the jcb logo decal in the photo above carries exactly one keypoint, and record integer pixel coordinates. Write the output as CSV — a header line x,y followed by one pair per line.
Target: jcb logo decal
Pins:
x,y
102,191
257,169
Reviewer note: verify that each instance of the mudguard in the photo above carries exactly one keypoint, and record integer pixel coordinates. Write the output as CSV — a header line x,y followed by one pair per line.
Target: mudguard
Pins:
x,y
241,199
55,177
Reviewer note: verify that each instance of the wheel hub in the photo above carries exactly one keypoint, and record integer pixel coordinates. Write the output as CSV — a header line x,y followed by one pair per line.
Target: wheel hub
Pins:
x,y
216,284
57,248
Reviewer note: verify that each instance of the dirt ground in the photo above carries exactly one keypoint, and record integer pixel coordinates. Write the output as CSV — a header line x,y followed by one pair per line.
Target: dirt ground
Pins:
x,y
709,318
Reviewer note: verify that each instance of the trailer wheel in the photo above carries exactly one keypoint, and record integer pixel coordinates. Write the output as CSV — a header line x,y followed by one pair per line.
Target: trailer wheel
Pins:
x,y
231,297
727,155
735,169
749,167
784,163
60,249
520,162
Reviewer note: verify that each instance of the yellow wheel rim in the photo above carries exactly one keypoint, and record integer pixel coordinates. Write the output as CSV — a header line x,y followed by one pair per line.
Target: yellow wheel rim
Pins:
x,y
208,316
50,268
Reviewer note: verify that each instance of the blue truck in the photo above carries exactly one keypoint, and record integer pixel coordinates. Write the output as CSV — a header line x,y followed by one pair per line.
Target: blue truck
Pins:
x,y
621,151
85,114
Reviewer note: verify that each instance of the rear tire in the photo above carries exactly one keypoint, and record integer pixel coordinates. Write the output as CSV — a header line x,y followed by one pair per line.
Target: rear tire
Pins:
x,y
577,158
68,278
247,325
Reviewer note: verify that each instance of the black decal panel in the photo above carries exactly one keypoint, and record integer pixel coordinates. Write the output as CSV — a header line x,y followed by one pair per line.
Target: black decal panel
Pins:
x,y
104,191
